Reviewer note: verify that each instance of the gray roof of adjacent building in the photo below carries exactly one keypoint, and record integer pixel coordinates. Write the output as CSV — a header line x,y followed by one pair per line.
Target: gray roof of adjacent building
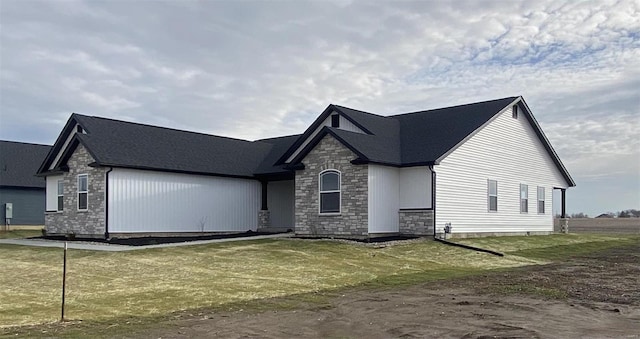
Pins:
x,y
19,162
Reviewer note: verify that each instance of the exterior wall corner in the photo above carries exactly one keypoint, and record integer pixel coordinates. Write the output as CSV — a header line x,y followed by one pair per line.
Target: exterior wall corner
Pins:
x,y
416,222
89,223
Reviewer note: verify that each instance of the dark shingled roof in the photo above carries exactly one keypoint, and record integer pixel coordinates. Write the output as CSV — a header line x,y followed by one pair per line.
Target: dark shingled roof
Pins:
x,y
372,123
382,145
414,138
428,135
411,139
376,148
132,145
278,147
418,138
19,164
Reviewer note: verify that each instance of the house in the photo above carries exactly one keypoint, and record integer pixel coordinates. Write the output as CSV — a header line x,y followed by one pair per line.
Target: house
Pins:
x,y
19,187
482,168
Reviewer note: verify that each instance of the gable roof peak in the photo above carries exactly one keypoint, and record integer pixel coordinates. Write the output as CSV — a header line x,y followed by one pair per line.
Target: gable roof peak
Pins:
x,y
339,107
461,106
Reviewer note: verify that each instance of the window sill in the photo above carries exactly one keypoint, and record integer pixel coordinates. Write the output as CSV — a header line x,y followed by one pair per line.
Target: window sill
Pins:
x,y
82,211
329,214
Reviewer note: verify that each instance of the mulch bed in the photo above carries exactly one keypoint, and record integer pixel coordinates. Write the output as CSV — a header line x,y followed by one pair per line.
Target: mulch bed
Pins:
x,y
144,241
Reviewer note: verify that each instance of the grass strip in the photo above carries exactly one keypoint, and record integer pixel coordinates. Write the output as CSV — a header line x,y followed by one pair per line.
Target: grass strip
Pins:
x,y
560,252
18,234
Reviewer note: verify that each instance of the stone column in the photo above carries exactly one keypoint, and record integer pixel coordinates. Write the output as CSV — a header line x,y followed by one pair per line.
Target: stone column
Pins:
x,y
564,225
416,221
264,219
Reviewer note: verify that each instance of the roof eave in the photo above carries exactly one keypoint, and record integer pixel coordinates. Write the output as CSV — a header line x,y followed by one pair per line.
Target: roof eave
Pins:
x,y
26,187
59,143
536,128
546,143
474,132
169,170
316,139
352,120
71,147
316,123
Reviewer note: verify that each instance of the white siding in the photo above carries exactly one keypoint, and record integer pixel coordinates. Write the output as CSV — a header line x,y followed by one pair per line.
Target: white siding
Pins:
x,y
506,150
344,124
415,187
383,199
52,192
148,201
281,203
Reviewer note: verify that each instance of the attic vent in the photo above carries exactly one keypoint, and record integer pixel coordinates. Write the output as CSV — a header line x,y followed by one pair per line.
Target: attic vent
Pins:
x,y
335,120
514,111
79,129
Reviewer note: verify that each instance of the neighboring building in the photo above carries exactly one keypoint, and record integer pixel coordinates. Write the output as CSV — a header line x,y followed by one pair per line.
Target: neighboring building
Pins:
x,y
483,168
19,185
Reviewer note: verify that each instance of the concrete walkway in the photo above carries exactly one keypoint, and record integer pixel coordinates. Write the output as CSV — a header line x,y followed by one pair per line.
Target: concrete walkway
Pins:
x,y
98,246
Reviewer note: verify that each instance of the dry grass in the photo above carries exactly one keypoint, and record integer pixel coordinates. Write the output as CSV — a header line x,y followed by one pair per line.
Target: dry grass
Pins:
x,y
512,244
13,234
107,285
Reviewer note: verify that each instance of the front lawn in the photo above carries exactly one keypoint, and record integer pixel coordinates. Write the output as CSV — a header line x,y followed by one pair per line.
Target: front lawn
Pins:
x,y
145,283
13,234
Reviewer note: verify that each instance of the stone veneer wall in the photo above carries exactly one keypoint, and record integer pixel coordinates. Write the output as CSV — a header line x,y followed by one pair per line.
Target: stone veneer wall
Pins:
x,y
89,223
264,219
353,219
416,222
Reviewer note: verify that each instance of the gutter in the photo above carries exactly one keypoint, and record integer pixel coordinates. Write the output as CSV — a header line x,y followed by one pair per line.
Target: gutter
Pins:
x,y
433,197
106,204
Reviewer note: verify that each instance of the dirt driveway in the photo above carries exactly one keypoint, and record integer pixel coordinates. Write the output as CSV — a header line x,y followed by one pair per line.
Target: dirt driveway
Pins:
x,y
594,297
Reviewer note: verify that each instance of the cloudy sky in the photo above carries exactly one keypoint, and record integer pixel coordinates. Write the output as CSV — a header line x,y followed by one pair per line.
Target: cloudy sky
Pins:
x,y
255,69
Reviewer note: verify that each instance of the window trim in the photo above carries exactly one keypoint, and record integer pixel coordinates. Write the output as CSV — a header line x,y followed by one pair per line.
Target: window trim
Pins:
x,y
543,200
514,111
82,192
525,200
489,195
339,191
59,204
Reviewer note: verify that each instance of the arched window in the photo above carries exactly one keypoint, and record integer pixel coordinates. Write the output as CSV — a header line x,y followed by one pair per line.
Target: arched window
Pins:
x,y
330,191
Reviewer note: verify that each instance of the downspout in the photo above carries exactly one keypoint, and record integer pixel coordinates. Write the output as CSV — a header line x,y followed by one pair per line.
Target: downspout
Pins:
x,y
433,197
106,204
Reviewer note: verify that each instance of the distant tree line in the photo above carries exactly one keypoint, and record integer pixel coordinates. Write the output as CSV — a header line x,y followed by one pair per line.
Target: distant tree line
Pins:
x,y
630,213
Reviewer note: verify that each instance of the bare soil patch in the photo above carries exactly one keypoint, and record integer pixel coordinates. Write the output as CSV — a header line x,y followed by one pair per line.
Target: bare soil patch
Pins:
x,y
597,295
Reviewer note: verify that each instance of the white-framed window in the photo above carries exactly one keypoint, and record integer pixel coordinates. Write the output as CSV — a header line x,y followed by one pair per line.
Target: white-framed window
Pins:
x,y
492,195
524,198
514,111
330,195
540,200
60,195
83,192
